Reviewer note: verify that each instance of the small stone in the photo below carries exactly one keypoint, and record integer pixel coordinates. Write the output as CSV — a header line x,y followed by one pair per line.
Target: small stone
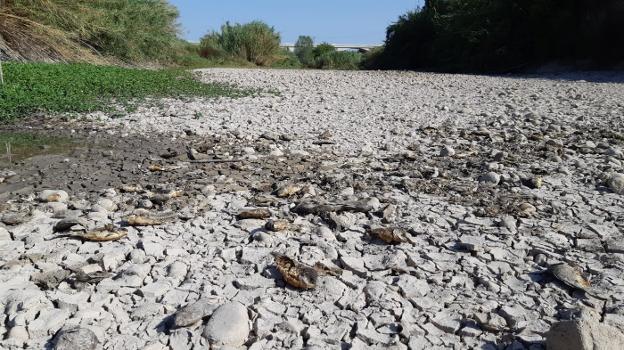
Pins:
x,y
53,196
276,225
228,325
616,183
75,339
412,287
490,179
447,322
177,270
447,151
152,248
526,210
154,290
4,234
18,335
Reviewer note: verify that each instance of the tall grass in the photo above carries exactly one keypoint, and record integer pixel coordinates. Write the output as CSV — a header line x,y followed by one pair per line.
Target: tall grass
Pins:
x,y
254,42
129,30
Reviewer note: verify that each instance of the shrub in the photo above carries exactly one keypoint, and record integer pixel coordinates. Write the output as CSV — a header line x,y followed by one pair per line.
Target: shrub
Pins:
x,y
287,60
255,42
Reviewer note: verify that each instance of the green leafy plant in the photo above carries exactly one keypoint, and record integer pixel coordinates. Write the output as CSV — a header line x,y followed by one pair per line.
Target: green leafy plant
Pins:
x,y
59,88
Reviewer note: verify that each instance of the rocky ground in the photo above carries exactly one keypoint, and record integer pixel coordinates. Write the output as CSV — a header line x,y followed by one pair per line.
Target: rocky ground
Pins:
x,y
418,211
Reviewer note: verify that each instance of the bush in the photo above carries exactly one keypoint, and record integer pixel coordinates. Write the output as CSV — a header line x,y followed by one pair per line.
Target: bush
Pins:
x,y
129,30
254,42
338,60
287,60
485,35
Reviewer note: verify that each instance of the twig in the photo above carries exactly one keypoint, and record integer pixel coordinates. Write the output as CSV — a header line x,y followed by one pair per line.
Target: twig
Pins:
x,y
1,74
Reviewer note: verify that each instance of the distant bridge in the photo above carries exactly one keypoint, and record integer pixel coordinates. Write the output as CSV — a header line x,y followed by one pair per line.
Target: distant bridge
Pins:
x,y
340,47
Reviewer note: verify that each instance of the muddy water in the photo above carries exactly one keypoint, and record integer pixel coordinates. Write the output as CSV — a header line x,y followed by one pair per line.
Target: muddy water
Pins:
x,y
18,146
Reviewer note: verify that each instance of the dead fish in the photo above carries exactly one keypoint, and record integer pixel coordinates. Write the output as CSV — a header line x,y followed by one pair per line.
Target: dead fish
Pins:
x,y
295,274
259,213
390,235
104,234
142,217
571,276
67,223
160,198
288,190
277,225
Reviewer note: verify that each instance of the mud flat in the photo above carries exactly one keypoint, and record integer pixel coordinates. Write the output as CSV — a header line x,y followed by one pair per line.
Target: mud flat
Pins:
x,y
340,210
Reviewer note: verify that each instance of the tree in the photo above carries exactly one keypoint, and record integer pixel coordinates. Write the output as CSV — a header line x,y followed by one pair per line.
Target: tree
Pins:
x,y
304,48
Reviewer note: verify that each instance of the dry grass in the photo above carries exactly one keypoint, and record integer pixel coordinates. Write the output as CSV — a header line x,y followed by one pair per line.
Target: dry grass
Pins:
x,y
24,39
95,31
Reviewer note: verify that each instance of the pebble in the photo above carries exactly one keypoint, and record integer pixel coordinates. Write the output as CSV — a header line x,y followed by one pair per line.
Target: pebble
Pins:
x,y
490,179
616,183
447,151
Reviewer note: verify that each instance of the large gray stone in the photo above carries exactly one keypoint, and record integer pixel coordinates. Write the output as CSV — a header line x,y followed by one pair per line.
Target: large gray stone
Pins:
x,y
585,334
76,339
228,325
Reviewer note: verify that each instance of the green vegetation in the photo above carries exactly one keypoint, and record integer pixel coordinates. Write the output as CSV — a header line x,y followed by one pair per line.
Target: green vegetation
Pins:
x,y
58,88
324,55
253,42
488,35
133,31
304,50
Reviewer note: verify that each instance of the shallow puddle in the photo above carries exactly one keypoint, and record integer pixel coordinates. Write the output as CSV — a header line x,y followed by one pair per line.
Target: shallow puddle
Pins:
x,y
16,146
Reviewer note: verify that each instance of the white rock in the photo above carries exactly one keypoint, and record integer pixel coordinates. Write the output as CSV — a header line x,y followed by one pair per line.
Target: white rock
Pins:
x,y
228,325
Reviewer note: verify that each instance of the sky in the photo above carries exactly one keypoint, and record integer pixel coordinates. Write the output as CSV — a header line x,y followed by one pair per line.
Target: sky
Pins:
x,y
333,21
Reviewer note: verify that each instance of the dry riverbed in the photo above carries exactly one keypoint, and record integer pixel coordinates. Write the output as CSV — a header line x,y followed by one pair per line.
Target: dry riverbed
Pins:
x,y
418,211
